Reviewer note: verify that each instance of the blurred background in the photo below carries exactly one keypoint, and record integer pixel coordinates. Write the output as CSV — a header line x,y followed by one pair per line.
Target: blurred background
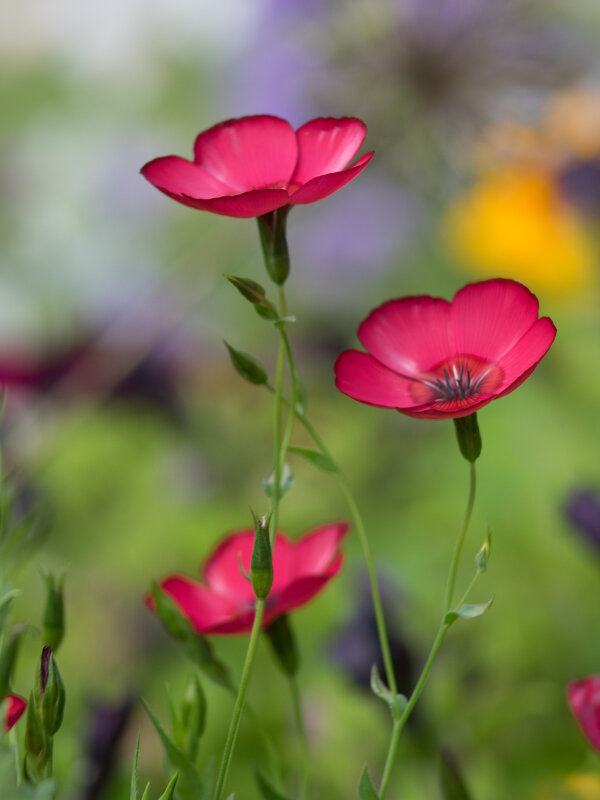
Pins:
x,y
137,446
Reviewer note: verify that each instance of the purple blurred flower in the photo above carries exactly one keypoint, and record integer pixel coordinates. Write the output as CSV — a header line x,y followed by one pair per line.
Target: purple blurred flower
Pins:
x,y
579,183
105,729
583,512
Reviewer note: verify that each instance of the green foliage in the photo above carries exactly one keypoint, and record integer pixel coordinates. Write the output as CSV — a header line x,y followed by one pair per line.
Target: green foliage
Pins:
x,y
366,790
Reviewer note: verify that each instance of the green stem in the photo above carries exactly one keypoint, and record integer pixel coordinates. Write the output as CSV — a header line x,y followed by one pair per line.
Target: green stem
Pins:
x,y
366,548
302,737
440,636
240,700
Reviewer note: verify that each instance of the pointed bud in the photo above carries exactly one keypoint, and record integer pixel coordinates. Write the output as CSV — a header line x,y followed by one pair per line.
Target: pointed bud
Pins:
x,y
261,564
282,639
469,438
193,716
247,366
35,737
256,294
54,614
53,693
272,231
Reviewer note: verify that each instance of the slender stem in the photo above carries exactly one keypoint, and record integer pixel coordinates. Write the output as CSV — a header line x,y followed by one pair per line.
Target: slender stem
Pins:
x,y
366,547
303,738
440,636
279,444
240,700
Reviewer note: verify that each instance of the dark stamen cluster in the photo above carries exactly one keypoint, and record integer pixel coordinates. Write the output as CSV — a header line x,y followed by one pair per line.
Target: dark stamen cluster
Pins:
x,y
456,384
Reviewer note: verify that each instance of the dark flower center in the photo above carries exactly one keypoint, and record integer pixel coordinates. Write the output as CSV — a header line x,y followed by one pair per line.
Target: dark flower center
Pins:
x,y
456,381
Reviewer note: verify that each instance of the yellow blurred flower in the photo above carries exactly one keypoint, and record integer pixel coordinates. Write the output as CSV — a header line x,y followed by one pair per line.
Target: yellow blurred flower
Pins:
x,y
579,786
513,223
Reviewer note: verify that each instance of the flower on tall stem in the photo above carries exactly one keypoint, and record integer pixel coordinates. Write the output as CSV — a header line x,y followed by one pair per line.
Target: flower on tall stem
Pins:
x,y
584,700
224,602
431,358
254,165
13,710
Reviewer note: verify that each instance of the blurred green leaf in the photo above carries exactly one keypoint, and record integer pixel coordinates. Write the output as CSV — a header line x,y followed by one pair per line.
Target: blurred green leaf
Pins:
x,y
266,788
248,288
133,792
247,366
170,790
365,787
5,606
482,557
467,611
453,786
190,787
318,459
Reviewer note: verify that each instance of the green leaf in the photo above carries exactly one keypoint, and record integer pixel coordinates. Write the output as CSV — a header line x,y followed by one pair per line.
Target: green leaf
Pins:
x,y
318,459
285,484
247,366
266,788
453,786
467,611
133,792
6,605
365,787
378,687
146,794
248,288
482,557
190,787
169,791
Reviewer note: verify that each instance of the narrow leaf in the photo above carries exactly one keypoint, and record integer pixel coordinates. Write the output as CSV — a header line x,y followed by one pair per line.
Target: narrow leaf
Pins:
x,y
467,611
266,788
146,794
365,787
169,791
134,791
248,288
378,687
318,459
247,366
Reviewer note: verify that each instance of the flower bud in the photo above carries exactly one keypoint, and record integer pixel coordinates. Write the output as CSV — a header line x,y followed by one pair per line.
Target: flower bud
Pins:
x,y
469,438
282,639
261,563
36,741
271,227
54,615
52,693
193,717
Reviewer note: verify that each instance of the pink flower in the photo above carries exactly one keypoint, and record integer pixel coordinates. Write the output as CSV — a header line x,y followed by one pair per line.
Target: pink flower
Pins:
x,y
224,601
431,358
250,166
584,700
13,710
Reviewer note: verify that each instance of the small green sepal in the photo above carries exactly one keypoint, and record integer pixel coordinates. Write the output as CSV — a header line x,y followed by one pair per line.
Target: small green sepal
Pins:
x,y
272,230
285,484
247,366
397,703
469,438
483,556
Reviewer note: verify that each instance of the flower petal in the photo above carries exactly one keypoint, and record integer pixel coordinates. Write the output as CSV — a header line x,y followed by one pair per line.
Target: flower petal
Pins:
x,y
324,185
408,335
303,589
13,710
315,551
204,608
249,204
176,177
489,318
222,570
326,145
248,153
584,700
363,378
519,362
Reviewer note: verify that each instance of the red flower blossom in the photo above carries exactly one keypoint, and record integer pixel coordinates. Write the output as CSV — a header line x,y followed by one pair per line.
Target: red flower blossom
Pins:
x,y
224,602
247,167
14,706
584,700
431,358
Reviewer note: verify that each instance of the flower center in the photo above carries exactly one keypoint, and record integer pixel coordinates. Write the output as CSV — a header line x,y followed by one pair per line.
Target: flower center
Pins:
x,y
456,381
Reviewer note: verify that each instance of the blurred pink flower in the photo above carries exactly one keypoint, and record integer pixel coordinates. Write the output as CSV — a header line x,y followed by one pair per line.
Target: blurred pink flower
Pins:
x,y
224,602
250,166
584,701
13,710
431,358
